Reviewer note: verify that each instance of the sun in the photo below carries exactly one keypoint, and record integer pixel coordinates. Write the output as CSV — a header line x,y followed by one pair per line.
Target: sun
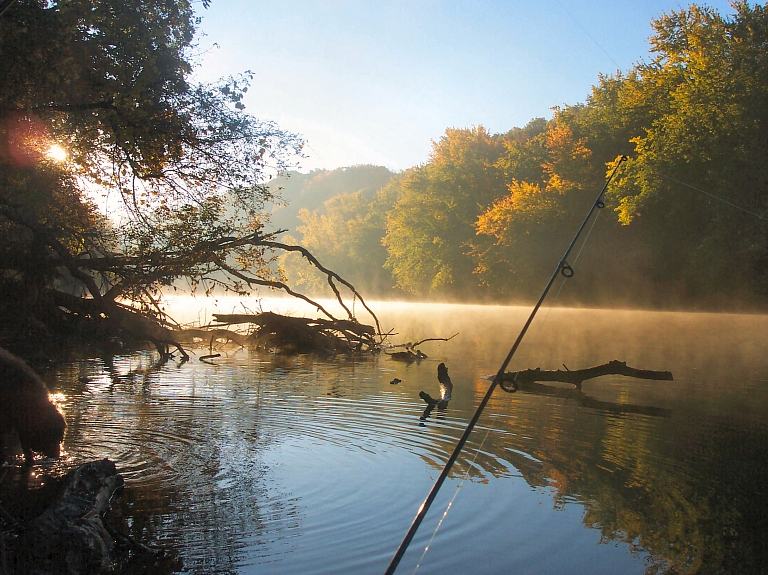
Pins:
x,y
56,153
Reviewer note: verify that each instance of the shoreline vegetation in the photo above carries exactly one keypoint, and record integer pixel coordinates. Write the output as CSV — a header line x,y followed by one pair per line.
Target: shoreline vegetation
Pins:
x,y
484,219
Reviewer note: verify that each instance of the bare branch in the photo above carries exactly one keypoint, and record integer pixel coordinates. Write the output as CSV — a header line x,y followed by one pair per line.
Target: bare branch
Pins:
x,y
331,275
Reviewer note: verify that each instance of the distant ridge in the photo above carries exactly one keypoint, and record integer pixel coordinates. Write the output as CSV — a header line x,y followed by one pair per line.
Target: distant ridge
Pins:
x,y
310,191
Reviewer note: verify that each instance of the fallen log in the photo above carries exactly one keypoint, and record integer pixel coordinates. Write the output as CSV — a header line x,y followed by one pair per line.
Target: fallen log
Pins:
x,y
260,318
577,376
299,334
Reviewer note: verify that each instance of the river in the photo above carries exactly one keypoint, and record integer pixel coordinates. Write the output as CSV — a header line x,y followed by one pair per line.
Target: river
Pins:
x,y
260,463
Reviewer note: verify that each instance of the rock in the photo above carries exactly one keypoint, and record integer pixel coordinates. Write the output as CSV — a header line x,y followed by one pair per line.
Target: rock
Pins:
x,y
70,537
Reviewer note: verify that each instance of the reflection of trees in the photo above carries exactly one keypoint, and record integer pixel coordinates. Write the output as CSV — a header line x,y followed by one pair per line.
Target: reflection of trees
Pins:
x,y
649,477
645,476
195,485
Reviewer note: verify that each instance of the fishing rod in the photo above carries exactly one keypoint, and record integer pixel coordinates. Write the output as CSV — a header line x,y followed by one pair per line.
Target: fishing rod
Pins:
x,y
5,5
564,269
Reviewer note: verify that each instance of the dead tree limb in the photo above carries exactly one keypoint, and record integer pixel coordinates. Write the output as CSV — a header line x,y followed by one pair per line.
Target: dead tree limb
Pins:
x,y
331,275
412,345
277,285
412,354
576,377
305,335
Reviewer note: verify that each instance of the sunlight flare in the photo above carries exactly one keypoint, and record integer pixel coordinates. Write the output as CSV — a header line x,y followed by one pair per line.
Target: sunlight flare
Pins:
x,y
56,153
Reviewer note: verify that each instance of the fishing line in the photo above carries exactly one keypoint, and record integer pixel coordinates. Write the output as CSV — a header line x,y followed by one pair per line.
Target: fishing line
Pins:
x,y
5,5
535,336
450,503
713,196
566,270
588,34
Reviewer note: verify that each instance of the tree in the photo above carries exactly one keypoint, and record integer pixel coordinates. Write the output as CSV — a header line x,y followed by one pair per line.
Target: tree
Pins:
x,y
707,81
346,234
692,119
432,221
109,82
523,233
310,191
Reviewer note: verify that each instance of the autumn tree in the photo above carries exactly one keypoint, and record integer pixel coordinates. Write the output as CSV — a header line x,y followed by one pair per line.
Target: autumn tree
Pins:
x,y
706,90
346,234
549,170
432,221
309,191
692,121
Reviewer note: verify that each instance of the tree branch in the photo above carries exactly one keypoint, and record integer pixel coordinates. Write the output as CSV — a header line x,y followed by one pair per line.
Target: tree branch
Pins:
x,y
576,377
331,276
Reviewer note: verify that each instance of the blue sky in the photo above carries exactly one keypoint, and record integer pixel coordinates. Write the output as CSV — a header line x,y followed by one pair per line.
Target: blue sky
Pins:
x,y
374,82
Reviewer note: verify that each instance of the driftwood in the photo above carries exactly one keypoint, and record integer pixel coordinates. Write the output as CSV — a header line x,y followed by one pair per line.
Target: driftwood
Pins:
x,y
576,377
412,354
298,334
446,389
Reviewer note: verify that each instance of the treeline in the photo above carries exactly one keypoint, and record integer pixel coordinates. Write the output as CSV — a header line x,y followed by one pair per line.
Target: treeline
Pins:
x,y
488,216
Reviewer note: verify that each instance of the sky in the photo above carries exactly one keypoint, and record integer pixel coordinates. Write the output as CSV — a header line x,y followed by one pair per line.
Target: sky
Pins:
x,y
375,82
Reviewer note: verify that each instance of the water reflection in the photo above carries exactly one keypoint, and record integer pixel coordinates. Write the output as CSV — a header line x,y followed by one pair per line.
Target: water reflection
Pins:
x,y
268,464
576,395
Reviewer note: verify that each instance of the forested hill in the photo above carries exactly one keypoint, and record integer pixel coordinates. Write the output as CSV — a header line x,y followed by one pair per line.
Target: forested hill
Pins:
x,y
488,216
309,191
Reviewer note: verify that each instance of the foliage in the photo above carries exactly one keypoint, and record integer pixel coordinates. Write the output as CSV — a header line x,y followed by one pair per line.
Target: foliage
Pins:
x,y
296,191
432,222
346,236
693,117
340,217
707,128
110,83
489,215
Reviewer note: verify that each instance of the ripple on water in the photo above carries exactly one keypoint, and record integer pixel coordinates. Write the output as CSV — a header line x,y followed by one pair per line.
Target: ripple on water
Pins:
x,y
205,446
260,466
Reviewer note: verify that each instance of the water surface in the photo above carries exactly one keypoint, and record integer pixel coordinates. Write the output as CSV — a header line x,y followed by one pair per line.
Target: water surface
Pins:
x,y
293,465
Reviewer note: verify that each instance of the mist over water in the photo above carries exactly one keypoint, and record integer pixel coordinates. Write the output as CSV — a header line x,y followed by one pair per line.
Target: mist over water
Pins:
x,y
262,463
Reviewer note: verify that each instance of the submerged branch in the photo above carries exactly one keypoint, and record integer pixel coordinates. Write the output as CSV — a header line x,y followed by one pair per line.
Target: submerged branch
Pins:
x,y
305,335
412,354
576,377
